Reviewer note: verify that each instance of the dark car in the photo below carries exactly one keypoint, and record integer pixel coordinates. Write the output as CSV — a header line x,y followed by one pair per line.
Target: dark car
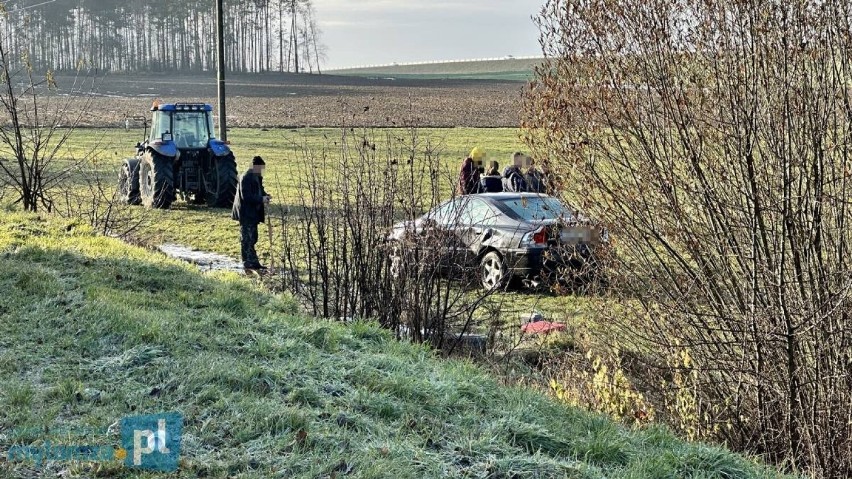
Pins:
x,y
502,235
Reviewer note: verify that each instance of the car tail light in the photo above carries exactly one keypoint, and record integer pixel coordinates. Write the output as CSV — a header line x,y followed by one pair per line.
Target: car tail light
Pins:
x,y
535,238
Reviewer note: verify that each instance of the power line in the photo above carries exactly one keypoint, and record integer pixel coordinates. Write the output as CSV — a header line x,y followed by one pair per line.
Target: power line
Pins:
x,y
31,6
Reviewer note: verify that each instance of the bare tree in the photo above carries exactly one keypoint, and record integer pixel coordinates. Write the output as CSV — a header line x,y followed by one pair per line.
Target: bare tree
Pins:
x,y
313,34
152,34
714,139
293,10
281,43
336,251
38,124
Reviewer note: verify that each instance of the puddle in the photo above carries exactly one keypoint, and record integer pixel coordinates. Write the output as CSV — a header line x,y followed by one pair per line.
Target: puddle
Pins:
x,y
205,260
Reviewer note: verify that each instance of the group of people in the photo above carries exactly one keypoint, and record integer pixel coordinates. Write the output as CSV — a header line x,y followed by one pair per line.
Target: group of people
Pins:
x,y
521,176
251,198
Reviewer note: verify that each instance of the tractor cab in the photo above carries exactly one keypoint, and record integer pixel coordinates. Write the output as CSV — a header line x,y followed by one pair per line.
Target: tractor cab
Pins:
x,y
190,126
180,157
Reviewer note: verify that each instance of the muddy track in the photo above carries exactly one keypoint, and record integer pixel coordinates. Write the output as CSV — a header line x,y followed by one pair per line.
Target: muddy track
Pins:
x,y
205,260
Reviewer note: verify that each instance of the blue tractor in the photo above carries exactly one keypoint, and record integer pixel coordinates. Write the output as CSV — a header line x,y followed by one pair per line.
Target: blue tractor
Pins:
x,y
181,156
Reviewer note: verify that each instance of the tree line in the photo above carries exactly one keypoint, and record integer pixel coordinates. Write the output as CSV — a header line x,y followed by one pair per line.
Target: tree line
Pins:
x,y
163,35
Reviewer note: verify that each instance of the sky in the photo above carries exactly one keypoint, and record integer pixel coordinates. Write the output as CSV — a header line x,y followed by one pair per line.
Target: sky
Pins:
x,y
371,32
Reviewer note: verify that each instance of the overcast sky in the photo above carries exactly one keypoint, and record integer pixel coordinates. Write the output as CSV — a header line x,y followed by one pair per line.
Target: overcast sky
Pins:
x,y
369,32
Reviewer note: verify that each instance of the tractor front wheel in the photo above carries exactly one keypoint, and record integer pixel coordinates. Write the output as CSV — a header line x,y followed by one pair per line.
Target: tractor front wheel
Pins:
x,y
156,176
220,182
128,183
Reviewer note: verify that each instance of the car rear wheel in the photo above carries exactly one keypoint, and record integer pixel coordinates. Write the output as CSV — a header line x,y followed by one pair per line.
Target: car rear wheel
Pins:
x,y
494,274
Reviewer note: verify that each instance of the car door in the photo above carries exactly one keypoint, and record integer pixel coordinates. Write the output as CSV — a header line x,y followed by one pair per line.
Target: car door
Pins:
x,y
438,235
475,227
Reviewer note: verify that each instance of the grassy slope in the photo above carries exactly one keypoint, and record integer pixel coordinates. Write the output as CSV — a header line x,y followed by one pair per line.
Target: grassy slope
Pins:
x,y
92,330
509,69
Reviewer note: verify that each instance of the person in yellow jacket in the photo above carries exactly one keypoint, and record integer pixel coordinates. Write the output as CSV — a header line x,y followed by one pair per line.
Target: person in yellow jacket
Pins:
x,y
471,171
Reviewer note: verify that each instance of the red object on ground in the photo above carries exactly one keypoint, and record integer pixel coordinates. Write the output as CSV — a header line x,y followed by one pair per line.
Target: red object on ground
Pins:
x,y
542,327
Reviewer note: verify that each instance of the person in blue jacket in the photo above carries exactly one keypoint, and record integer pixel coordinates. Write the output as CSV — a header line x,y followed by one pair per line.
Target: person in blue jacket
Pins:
x,y
492,181
249,209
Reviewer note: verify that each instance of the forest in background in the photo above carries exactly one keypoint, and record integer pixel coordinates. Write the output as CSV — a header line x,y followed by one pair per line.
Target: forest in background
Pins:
x,y
163,35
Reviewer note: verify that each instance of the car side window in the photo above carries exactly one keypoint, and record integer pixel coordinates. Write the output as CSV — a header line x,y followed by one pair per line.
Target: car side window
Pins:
x,y
477,212
446,214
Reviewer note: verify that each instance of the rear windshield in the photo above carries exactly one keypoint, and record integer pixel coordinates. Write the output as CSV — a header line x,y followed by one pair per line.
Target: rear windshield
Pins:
x,y
536,208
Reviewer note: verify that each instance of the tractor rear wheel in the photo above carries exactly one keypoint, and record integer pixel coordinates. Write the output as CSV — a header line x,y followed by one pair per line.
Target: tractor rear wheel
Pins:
x,y
128,183
220,181
156,176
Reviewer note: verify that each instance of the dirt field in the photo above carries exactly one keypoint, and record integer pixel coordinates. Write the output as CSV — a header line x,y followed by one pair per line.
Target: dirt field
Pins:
x,y
287,100
516,69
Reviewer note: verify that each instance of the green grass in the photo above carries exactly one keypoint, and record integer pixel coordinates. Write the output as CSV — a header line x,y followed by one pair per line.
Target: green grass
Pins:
x,y
213,230
515,76
92,330
509,70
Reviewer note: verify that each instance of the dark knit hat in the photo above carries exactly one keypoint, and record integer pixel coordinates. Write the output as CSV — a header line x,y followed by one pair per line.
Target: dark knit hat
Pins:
x,y
257,161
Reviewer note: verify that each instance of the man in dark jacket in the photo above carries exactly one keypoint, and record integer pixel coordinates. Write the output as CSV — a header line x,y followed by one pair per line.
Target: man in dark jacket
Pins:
x,y
492,181
535,178
513,177
249,210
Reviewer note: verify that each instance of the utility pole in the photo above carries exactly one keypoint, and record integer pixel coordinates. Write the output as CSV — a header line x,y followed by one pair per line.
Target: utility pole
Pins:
x,y
295,32
220,75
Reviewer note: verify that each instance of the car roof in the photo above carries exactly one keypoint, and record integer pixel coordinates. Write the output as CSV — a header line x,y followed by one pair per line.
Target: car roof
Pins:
x,y
494,200
506,196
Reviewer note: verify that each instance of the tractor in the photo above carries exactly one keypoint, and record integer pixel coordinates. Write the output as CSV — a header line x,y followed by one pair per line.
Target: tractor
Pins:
x,y
181,156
